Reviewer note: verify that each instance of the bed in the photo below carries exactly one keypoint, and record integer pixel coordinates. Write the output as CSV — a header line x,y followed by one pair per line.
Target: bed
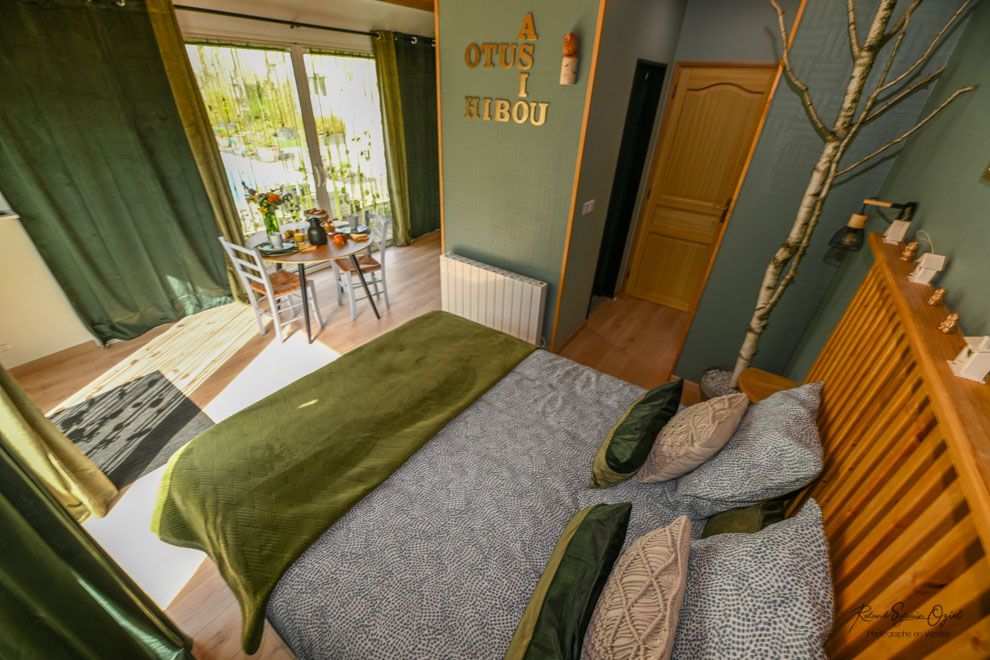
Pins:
x,y
438,553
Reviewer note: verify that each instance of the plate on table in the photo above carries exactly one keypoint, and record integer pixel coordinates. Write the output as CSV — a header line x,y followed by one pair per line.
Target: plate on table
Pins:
x,y
270,250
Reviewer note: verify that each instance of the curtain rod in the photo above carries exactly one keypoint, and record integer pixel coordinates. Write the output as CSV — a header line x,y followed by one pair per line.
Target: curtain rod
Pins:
x,y
295,24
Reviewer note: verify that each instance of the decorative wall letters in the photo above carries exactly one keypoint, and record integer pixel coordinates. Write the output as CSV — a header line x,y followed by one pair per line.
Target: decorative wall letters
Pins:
x,y
507,55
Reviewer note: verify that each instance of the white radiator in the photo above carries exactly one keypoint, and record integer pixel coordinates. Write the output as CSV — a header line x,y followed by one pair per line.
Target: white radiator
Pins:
x,y
494,297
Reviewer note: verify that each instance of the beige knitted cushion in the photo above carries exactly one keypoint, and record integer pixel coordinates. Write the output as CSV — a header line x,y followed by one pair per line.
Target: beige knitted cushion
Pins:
x,y
692,437
636,615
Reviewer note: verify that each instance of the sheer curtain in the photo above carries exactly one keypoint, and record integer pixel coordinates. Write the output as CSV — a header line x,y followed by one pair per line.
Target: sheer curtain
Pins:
x,y
196,123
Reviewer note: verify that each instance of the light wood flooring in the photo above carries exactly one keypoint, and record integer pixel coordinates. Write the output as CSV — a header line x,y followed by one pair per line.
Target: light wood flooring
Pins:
x,y
634,340
218,360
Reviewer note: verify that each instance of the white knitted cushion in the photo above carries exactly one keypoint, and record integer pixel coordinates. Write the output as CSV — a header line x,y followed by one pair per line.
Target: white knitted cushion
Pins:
x,y
636,615
694,435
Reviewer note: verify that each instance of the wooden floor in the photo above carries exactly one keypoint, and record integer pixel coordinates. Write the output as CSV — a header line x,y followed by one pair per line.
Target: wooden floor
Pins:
x,y
634,340
218,360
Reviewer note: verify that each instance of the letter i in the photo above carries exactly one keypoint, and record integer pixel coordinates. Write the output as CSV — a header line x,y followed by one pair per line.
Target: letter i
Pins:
x,y
523,82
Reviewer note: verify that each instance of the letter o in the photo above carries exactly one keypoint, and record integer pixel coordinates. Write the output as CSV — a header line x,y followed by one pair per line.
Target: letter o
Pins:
x,y
520,118
472,52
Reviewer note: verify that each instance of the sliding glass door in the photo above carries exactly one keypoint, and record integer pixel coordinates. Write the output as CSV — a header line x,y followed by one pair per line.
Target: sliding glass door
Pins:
x,y
329,152
344,95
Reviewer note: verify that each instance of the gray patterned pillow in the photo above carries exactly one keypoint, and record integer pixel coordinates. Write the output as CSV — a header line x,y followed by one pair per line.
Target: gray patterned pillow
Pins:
x,y
774,451
762,595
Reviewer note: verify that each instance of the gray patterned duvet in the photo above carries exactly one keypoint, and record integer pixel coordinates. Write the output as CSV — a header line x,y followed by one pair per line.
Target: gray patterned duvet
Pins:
x,y
440,560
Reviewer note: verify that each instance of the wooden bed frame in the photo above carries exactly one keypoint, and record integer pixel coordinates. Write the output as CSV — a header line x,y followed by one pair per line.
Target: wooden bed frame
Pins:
x,y
904,487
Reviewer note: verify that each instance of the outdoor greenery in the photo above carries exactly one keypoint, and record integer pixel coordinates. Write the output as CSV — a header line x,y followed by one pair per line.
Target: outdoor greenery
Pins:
x,y
251,98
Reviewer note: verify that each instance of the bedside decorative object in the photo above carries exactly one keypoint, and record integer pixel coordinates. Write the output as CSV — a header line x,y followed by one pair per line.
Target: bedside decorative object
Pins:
x,y
896,231
948,326
569,65
937,298
973,361
928,267
850,237
911,249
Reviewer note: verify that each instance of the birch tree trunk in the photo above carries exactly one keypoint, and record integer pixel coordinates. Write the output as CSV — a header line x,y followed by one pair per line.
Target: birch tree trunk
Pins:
x,y
836,142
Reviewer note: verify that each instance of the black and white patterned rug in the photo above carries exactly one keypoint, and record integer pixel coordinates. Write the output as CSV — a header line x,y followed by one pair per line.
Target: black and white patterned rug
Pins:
x,y
133,429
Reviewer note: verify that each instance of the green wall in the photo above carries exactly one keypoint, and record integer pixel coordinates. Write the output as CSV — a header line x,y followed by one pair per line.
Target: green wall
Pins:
x,y
775,183
633,29
507,187
940,168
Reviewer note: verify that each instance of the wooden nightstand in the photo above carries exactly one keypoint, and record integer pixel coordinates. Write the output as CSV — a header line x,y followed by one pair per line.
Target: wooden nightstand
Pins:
x,y
758,384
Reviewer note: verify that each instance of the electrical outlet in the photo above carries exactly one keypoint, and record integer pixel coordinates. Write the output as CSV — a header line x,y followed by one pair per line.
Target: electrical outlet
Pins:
x,y
5,348
588,207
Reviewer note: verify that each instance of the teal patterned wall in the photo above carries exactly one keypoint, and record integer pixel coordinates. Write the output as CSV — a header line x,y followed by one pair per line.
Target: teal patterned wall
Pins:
x,y
776,180
507,186
940,168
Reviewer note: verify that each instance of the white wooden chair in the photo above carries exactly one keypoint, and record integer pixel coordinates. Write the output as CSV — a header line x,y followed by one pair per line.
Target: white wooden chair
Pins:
x,y
279,290
346,277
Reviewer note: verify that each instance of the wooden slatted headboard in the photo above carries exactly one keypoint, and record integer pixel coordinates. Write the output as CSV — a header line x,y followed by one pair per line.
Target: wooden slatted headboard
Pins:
x,y
904,487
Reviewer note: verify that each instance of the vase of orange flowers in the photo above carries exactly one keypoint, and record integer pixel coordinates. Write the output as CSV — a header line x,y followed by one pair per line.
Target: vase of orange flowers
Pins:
x,y
268,204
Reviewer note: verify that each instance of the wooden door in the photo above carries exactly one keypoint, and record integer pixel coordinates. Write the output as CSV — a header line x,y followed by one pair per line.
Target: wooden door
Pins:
x,y
705,139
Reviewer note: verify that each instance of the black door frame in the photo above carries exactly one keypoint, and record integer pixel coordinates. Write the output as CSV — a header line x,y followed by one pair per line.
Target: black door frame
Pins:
x,y
637,141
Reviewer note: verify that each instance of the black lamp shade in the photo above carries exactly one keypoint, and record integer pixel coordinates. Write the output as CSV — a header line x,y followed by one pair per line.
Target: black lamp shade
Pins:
x,y
848,238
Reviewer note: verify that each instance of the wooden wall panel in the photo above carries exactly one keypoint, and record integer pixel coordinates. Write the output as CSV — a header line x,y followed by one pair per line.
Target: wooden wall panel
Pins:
x,y
903,489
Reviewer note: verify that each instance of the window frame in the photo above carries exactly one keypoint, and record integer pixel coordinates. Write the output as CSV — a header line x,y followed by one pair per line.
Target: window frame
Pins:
x,y
297,52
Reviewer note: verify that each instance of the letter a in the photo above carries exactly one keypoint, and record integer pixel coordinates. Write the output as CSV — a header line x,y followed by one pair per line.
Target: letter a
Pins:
x,y
528,31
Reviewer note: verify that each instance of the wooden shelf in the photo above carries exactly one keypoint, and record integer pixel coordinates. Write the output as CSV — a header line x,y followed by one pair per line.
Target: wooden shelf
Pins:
x,y
961,406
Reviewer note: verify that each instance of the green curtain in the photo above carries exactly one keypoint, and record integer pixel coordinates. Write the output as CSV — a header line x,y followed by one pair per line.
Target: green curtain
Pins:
x,y
94,159
61,596
407,81
73,479
196,123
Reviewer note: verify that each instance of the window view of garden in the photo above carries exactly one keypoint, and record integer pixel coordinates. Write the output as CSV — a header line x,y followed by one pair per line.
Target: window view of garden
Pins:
x,y
344,93
253,104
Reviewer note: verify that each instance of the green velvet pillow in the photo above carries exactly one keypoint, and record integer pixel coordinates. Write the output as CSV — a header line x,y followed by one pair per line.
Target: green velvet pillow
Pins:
x,y
558,613
628,444
747,520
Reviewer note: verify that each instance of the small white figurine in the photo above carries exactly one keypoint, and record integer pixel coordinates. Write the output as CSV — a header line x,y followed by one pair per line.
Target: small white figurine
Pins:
x,y
973,362
896,231
569,64
928,267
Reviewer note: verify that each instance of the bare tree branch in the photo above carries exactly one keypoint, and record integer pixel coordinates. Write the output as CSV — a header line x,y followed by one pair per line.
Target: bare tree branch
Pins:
x,y
904,94
945,103
871,100
816,215
906,18
803,92
853,34
902,22
931,47
853,114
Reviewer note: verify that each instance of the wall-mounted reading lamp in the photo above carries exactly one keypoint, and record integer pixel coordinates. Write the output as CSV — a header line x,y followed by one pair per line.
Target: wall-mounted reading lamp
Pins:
x,y
850,238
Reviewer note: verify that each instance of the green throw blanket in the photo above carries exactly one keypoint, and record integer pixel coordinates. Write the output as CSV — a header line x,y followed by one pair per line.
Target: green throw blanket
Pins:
x,y
255,491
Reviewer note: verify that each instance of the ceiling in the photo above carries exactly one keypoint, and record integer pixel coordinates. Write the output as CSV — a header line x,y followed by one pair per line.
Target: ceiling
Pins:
x,y
353,14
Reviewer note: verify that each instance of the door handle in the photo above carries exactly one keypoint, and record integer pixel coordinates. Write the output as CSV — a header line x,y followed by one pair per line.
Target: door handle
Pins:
x,y
725,210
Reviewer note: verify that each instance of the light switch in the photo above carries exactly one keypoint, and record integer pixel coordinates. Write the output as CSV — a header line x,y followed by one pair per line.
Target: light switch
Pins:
x,y
588,207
